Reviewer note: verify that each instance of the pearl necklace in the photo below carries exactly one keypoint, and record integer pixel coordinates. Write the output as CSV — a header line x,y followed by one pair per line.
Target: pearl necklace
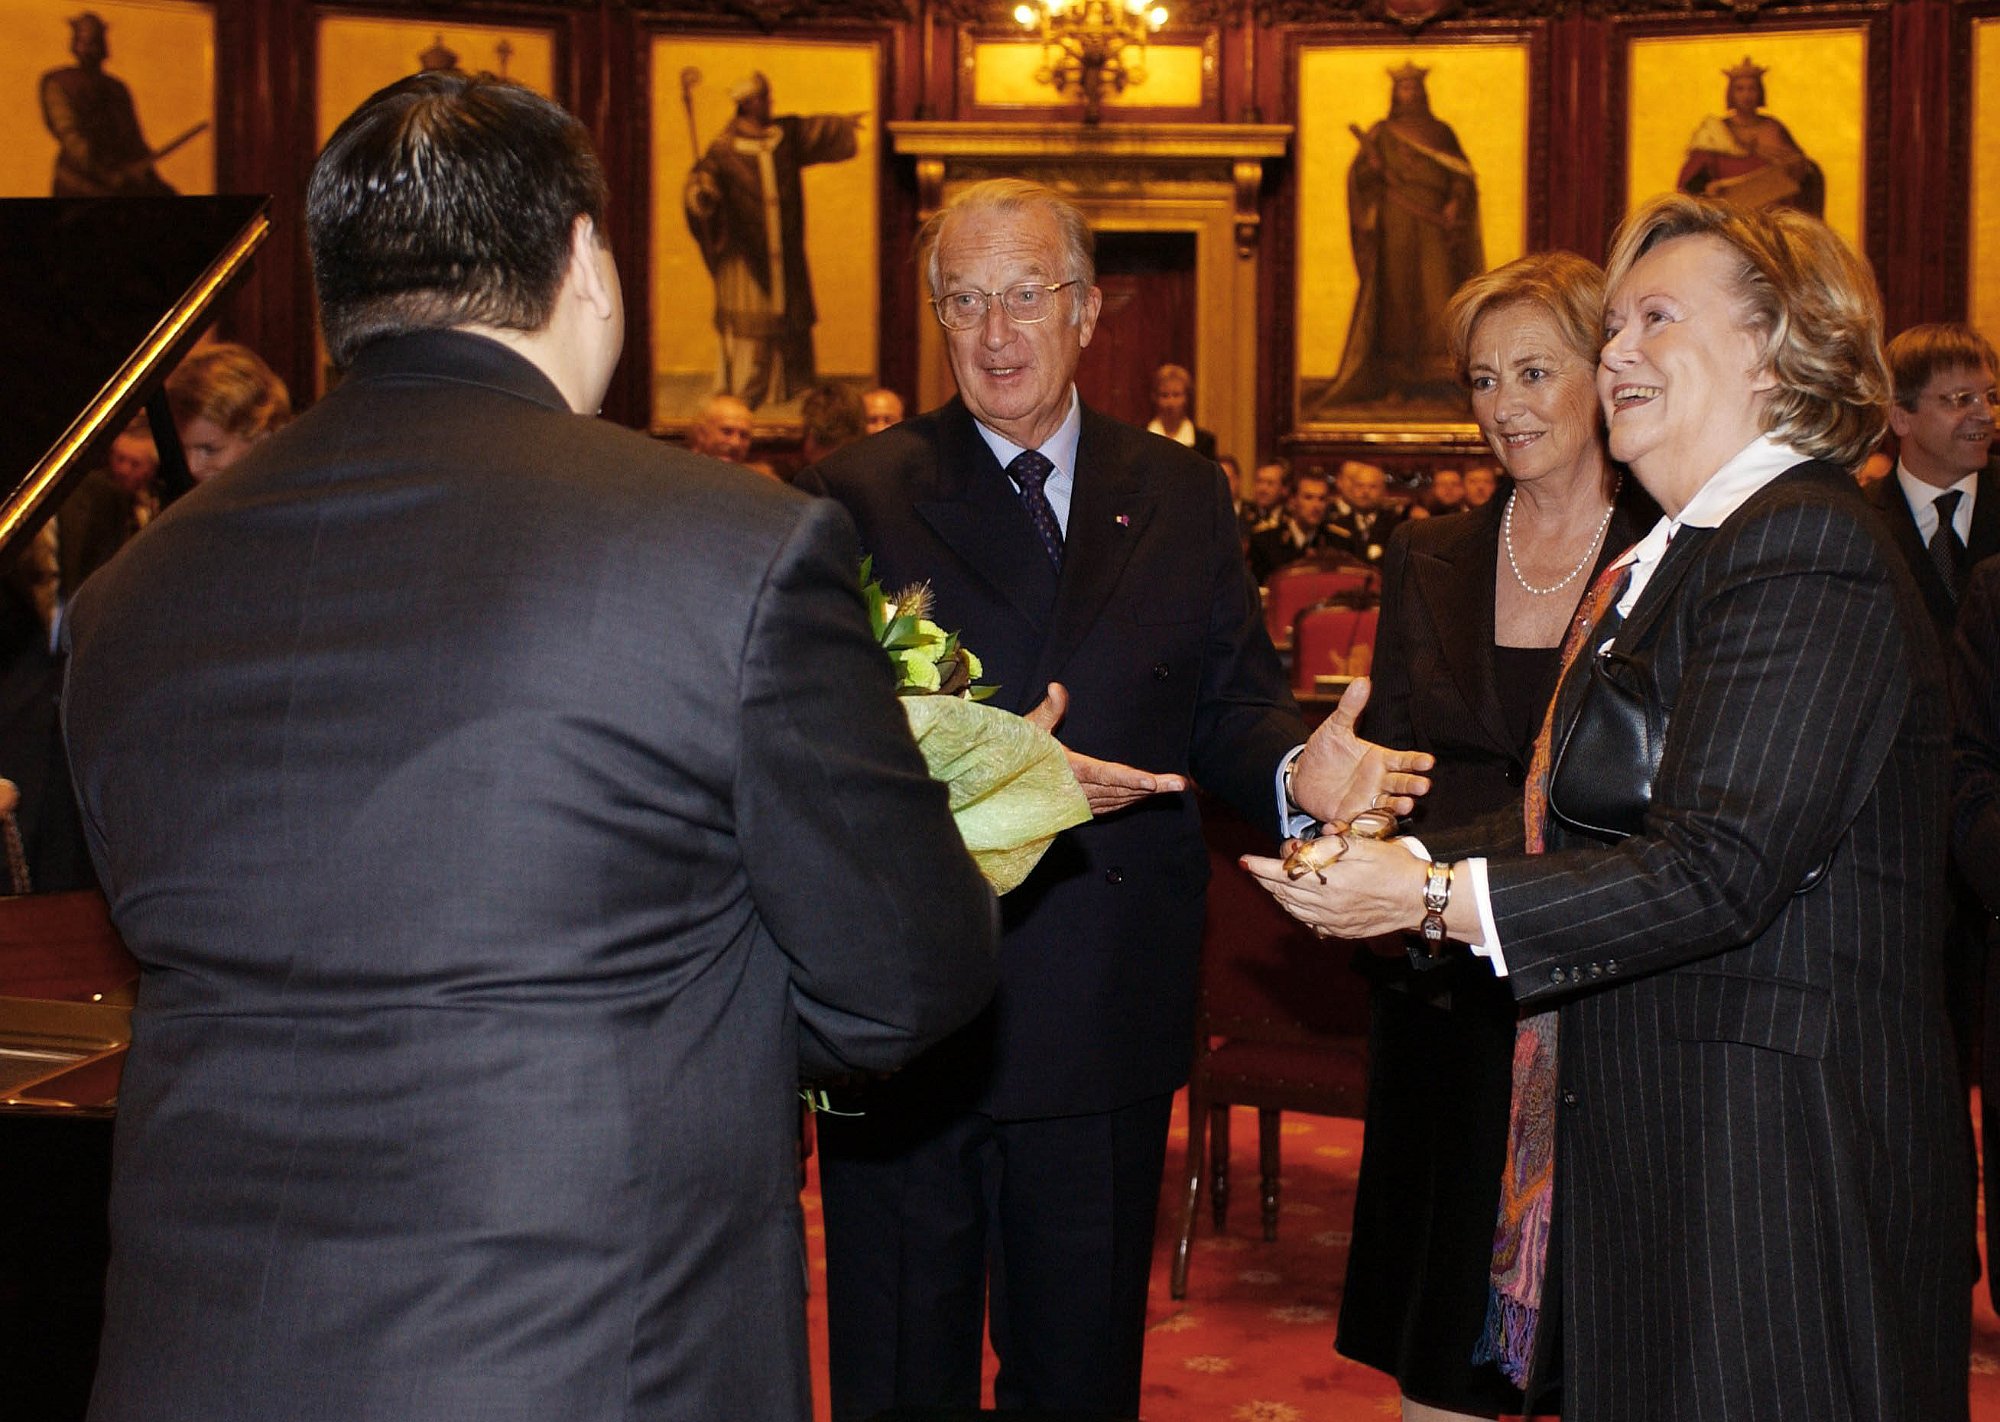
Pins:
x,y
1507,537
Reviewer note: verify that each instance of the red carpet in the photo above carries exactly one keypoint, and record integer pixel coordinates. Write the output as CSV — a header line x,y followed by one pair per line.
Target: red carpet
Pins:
x,y
1253,1341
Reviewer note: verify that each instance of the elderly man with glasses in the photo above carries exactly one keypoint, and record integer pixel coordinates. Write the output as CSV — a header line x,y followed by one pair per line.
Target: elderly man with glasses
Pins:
x,y
1069,550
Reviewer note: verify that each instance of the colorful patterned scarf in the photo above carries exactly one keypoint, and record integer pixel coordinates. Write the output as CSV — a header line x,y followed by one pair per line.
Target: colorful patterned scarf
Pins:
x,y
1521,1236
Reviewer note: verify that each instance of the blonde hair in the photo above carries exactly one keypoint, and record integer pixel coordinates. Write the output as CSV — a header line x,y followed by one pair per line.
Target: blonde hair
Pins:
x,y
1811,301
231,387
1568,287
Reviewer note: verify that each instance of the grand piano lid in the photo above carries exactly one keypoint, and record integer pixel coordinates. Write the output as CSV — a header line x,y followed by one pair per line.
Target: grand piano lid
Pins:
x,y
102,296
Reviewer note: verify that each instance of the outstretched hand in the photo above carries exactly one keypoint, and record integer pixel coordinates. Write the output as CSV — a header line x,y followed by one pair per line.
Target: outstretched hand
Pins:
x,y
1107,784
1339,774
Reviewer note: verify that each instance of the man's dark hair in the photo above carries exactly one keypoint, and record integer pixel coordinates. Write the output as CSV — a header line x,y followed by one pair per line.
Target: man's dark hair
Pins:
x,y
447,199
1922,352
833,417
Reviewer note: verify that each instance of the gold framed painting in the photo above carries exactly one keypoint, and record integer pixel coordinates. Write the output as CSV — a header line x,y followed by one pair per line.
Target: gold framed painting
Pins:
x,y
1982,297
765,261
117,98
1761,117
358,54
1412,176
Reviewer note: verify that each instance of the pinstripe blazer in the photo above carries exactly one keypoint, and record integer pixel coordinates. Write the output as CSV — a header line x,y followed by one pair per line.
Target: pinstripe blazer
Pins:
x,y
1760,1159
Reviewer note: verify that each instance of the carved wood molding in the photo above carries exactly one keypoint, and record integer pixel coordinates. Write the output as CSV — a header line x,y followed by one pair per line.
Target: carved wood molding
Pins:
x,y
768,15
1412,16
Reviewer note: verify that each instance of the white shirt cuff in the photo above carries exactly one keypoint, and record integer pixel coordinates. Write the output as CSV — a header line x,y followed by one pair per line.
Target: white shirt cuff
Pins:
x,y
1292,821
1482,899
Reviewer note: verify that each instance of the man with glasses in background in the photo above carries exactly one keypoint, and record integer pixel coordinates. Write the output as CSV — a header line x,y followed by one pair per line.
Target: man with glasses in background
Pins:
x,y
1942,507
1067,549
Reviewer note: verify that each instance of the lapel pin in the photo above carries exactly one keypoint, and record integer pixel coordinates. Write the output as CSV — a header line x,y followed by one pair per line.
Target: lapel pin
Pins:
x,y
1124,520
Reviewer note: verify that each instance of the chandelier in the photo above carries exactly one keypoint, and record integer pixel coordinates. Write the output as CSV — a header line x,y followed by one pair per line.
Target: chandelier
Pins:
x,y
1092,45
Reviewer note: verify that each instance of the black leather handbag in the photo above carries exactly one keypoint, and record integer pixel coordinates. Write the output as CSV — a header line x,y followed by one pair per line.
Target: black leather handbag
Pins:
x,y
1602,780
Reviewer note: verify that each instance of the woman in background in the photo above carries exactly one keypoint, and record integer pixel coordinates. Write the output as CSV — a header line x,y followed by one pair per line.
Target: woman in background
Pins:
x,y
1473,614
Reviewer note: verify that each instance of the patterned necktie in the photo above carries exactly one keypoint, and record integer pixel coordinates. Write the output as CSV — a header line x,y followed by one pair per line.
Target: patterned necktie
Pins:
x,y
1945,548
1031,470
1527,1180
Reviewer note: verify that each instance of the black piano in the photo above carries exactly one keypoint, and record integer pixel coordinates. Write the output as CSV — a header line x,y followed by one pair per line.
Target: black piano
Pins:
x,y
103,297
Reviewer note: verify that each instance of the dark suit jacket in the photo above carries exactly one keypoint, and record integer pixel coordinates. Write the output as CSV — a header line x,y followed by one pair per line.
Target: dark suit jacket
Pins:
x,y
1434,687
1155,629
503,807
1433,670
1350,531
1976,741
1886,495
1760,1152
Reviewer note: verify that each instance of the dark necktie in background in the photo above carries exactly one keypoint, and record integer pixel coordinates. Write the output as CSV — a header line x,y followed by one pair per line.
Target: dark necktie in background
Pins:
x,y
1947,552
1031,470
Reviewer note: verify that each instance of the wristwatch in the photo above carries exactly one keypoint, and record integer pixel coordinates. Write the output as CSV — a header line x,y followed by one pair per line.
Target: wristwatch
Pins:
x,y
1428,951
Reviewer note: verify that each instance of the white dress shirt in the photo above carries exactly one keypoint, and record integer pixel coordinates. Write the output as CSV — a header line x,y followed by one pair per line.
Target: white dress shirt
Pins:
x,y
1922,499
1059,449
1183,435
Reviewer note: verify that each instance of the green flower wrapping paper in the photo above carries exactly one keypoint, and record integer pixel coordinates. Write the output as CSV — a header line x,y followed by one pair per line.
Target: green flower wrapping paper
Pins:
x,y
1010,787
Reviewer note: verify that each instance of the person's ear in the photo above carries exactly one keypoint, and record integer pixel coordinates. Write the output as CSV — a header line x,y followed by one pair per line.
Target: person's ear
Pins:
x,y
1900,420
587,261
1087,326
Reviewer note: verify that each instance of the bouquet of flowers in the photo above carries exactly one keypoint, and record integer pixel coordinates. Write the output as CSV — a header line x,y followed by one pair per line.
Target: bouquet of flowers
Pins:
x,y
1008,782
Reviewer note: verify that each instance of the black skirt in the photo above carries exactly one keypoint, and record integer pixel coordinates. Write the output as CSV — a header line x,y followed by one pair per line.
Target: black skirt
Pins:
x,y
1440,1081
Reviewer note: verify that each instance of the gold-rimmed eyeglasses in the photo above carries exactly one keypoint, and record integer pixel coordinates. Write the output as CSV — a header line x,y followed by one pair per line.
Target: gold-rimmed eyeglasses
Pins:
x,y
1025,304
1961,400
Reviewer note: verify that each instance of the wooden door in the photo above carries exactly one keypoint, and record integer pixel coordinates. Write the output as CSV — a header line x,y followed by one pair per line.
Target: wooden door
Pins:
x,y
1148,280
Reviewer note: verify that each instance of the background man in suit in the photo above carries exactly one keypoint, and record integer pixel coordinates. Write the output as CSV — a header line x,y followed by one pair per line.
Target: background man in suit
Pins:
x,y
1297,532
723,429
1942,508
884,407
1061,544
1975,803
505,809
1943,505
1360,519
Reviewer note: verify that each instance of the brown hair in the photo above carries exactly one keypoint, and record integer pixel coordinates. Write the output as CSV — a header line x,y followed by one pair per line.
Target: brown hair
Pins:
x,y
1568,287
1811,300
1918,354
231,387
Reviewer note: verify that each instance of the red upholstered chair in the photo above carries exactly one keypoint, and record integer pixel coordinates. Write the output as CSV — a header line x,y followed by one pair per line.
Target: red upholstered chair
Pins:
x,y
1328,634
1296,586
1282,1025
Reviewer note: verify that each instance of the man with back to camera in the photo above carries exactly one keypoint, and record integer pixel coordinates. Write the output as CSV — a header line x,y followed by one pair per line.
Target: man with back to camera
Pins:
x,y
1067,548
505,809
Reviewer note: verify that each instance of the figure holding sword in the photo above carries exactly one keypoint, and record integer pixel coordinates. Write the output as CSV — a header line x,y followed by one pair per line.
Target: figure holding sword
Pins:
x,y
101,152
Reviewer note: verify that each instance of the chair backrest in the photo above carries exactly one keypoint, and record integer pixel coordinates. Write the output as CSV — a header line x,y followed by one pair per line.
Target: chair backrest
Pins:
x,y
1333,637
1296,586
1264,977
